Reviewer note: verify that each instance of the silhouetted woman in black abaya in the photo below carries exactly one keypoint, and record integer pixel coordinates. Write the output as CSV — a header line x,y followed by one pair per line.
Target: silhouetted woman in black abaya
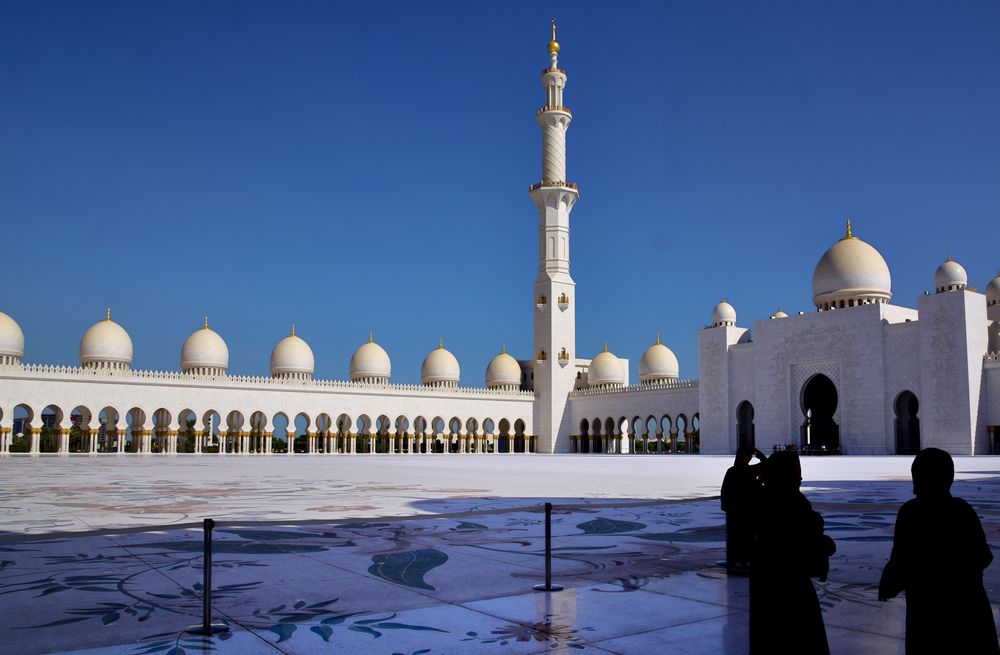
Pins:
x,y
790,550
938,556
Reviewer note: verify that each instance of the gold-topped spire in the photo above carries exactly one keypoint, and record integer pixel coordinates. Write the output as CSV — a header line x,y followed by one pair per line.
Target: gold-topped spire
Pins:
x,y
293,329
107,317
553,44
948,258
371,337
440,344
657,340
205,326
850,233
503,349
605,346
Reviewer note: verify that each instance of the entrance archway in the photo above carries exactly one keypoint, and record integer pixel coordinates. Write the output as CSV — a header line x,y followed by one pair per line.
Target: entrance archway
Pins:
x,y
907,424
819,402
745,437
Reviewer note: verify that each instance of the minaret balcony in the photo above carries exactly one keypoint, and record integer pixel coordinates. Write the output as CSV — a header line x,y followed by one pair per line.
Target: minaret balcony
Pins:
x,y
546,108
553,69
553,183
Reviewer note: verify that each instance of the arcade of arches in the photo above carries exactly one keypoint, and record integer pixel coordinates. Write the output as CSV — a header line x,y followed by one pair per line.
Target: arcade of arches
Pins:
x,y
108,430
653,435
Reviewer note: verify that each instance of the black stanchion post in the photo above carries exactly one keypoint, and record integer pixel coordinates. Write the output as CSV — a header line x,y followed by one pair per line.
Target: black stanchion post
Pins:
x,y
207,627
548,586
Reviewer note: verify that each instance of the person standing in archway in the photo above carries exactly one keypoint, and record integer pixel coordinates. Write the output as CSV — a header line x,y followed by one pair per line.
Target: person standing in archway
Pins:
x,y
740,497
939,553
790,549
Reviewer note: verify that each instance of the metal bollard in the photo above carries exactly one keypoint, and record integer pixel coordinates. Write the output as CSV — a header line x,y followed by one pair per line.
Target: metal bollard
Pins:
x,y
548,586
206,627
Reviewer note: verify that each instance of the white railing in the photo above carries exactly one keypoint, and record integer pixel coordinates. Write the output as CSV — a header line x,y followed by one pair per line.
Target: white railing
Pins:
x,y
77,372
665,385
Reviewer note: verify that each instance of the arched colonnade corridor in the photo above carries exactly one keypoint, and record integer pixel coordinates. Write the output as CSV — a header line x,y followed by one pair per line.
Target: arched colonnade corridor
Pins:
x,y
655,435
82,429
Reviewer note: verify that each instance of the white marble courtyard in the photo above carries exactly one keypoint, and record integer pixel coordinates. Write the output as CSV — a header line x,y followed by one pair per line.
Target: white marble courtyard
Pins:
x,y
428,555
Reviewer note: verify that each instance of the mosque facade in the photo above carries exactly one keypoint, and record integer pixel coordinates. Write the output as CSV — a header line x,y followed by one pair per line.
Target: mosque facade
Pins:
x,y
858,376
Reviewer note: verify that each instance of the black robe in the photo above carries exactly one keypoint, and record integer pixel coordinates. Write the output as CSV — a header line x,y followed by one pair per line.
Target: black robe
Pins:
x,y
740,492
939,552
790,549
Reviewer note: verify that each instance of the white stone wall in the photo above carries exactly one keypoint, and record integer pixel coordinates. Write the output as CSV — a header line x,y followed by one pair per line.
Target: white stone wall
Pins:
x,y
953,341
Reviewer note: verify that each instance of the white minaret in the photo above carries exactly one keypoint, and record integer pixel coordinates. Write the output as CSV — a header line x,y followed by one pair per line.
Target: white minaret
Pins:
x,y
555,302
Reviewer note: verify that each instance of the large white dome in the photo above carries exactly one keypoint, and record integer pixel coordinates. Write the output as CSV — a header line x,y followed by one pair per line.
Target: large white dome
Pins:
x,y
950,276
605,370
993,291
106,345
503,371
370,362
11,338
723,314
658,363
206,350
851,272
440,368
292,357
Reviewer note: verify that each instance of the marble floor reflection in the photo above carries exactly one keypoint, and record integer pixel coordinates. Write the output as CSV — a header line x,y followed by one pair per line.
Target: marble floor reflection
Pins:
x,y
640,576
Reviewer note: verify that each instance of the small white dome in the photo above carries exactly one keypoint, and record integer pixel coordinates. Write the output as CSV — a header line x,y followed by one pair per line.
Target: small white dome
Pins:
x,y
724,314
503,371
292,357
440,368
779,314
851,271
605,370
658,363
950,276
106,343
993,291
11,338
370,361
204,349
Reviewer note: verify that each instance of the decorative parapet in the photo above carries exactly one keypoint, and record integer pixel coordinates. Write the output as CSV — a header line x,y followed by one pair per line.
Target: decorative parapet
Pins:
x,y
991,357
665,385
553,183
78,373
553,108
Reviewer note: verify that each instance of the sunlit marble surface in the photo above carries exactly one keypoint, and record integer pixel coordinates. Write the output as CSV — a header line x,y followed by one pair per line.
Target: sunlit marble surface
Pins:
x,y
391,555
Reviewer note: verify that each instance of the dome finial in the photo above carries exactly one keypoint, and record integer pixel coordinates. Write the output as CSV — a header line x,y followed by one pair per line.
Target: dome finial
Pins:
x,y
657,340
948,258
371,337
605,346
503,349
205,326
107,317
440,344
849,234
293,329
553,44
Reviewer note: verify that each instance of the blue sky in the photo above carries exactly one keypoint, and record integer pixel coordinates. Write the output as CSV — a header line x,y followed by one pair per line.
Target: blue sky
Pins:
x,y
364,166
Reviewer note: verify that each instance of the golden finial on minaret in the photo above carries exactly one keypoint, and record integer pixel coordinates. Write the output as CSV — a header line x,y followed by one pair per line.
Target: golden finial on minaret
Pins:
x,y
850,233
205,326
107,317
553,44
293,329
